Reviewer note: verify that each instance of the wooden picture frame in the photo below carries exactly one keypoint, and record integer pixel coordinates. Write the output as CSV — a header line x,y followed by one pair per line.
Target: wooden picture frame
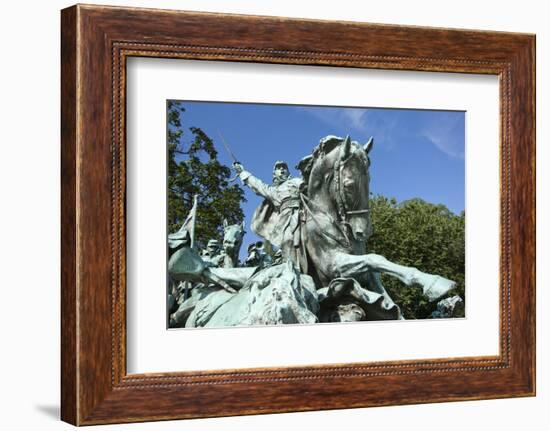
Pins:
x,y
95,43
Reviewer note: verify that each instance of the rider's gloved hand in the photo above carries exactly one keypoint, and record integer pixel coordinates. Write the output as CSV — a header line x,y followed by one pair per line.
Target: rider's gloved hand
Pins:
x,y
238,167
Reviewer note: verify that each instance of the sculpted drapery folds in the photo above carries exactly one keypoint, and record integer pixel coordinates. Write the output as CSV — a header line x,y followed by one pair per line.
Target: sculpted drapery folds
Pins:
x,y
277,218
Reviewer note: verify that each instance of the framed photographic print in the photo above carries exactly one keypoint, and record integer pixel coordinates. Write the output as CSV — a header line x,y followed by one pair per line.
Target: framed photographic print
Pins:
x,y
281,207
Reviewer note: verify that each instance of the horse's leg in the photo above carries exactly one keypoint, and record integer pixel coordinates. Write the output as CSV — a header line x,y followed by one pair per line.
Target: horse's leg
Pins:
x,y
433,286
375,284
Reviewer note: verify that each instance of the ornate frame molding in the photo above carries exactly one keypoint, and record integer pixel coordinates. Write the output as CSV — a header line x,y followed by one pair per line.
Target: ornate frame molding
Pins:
x,y
96,41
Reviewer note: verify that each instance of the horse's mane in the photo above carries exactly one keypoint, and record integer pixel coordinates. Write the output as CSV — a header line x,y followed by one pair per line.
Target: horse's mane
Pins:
x,y
326,146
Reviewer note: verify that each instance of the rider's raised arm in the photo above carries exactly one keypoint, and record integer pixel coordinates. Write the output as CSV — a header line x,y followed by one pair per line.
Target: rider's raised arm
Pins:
x,y
258,186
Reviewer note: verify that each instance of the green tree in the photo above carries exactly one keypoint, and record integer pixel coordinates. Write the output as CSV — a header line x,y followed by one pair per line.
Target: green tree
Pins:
x,y
193,168
423,235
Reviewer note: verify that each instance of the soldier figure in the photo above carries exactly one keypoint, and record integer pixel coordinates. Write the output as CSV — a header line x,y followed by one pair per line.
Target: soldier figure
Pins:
x,y
277,218
257,255
211,255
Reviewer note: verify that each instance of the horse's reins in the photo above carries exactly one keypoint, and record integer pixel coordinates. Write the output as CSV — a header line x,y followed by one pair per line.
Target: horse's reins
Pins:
x,y
304,199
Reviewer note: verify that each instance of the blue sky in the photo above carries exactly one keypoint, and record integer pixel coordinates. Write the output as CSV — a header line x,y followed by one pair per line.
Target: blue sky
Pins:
x,y
417,153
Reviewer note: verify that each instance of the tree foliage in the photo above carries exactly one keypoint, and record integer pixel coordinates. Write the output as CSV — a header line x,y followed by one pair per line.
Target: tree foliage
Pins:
x,y
420,234
193,169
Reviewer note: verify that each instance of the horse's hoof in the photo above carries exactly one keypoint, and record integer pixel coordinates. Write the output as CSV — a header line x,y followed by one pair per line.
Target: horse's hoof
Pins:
x,y
437,287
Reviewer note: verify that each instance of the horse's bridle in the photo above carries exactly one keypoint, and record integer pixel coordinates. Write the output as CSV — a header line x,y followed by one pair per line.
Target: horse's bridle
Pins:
x,y
343,211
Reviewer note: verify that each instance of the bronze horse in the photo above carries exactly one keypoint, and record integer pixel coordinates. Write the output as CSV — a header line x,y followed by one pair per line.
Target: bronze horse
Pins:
x,y
337,222
232,242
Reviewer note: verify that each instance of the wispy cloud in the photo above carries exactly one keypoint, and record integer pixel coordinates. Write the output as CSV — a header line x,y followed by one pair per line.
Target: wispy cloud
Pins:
x,y
341,118
392,127
355,118
363,121
446,134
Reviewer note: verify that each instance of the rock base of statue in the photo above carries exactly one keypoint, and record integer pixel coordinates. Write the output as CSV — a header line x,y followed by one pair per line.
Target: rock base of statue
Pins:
x,y
275,295
279,294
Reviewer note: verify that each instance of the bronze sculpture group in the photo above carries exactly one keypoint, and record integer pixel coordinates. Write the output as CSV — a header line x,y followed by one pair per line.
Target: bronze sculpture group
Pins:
x,y
318,270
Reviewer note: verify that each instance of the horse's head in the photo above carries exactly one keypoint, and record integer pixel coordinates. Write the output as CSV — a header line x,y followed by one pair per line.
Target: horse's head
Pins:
x,y
337,176
232,237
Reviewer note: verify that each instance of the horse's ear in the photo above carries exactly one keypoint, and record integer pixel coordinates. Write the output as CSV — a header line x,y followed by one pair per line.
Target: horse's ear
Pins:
x,y
368,146
225,224
243,225
347,148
